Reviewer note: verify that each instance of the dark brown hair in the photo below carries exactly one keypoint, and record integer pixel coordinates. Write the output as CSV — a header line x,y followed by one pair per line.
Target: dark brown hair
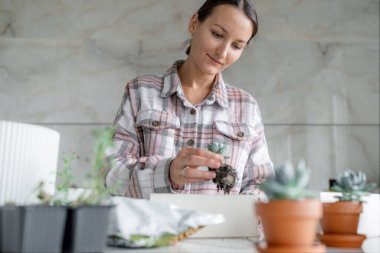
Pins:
x,y
245,6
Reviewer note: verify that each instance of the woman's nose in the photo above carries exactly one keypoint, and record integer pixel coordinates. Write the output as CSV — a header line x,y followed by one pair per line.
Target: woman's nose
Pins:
x,y
222,51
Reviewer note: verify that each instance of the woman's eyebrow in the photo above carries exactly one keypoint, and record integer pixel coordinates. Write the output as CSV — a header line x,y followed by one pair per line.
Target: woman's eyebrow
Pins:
x,y
224,30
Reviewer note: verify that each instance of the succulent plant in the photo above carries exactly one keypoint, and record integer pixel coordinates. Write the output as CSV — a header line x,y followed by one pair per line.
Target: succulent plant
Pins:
x,y
225,175
288,182
353,186
218,148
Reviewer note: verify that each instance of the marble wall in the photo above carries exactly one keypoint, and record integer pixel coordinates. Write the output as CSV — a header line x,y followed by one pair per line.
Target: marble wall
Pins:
x,y
314,69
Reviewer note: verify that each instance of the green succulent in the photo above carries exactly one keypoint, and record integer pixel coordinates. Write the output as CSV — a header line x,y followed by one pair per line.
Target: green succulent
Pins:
x,y
218,148
289,183
353,186
226,176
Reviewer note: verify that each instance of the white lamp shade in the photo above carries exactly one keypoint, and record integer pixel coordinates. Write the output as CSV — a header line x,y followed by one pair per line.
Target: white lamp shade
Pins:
x,y
28,155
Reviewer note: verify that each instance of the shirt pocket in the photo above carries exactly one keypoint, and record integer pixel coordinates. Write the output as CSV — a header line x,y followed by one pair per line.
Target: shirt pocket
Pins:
x,y
235,131
237,138
159,129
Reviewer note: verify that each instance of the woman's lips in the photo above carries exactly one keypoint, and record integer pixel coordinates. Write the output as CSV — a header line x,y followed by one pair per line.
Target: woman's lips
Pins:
x,y
216,61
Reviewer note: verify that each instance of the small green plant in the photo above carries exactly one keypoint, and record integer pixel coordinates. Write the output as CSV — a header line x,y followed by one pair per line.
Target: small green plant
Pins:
x,y
225,175
289,183
65,179
95,193
353,186
64,182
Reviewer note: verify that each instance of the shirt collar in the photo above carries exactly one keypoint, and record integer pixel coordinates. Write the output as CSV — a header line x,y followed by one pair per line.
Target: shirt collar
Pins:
x,y
220,91
172,81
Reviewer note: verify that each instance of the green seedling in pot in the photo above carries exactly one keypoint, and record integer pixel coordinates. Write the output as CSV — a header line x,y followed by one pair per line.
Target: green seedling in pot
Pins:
x,y
64,183
96,193
225,175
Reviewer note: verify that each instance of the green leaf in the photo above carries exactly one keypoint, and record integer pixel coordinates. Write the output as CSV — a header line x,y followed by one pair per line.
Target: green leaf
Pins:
x,y
222,150
337,188
302,175
213,147
284,173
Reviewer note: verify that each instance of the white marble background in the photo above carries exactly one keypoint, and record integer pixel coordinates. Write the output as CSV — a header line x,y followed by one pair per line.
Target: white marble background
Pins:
x,y
314,69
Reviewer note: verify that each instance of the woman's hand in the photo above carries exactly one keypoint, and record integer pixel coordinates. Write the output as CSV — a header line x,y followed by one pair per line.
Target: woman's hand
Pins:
x,y
183,169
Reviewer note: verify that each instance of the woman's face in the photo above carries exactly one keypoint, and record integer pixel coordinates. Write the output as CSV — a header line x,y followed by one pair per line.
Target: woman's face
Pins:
x,y
219,40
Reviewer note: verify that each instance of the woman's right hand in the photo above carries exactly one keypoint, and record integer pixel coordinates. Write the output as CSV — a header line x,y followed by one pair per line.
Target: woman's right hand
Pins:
x,y
183,169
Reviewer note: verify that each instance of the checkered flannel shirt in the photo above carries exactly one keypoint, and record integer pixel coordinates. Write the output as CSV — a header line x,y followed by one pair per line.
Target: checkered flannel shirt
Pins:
x,y
155,121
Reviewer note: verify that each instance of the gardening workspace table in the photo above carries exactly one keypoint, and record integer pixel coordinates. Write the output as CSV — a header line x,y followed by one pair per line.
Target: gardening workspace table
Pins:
x,y
236,245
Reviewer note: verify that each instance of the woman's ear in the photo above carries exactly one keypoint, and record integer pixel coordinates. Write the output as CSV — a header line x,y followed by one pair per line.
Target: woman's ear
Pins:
x,y
193,23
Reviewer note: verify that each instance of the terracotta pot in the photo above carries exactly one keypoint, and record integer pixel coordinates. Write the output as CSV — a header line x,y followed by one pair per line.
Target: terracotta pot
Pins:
x,y
342,240
341,217
290,222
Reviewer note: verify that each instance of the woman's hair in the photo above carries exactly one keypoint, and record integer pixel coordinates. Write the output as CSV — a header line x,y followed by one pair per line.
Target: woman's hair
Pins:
x,y
246,6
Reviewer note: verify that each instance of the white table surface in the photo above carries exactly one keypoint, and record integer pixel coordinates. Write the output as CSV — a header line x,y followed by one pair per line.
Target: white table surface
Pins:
x,y
235,245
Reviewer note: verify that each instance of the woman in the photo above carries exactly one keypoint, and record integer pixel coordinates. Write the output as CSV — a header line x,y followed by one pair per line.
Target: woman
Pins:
x,y
166,122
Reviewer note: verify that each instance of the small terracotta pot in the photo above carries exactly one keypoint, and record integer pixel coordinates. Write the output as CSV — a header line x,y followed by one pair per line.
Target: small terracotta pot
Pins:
x,y
290,222
341,217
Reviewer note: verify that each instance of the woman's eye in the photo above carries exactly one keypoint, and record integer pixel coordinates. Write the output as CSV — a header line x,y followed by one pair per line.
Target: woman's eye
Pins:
x,y
236,47
216,35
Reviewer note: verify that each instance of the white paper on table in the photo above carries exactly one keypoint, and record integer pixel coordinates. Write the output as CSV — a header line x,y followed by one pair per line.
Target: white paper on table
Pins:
x,y
142,217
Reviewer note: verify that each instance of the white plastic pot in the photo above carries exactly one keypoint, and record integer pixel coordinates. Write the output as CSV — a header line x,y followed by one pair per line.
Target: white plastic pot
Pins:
x,y
28,155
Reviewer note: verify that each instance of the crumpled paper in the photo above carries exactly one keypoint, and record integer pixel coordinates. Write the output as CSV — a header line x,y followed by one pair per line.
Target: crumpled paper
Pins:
x,y
141,223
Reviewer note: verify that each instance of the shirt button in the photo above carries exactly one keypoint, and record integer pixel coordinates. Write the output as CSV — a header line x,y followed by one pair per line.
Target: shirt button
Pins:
x,y
240,134
190,142
193,111
155,123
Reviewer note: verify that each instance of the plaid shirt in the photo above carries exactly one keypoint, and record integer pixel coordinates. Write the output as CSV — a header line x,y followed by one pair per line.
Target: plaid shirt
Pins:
x,y
155,121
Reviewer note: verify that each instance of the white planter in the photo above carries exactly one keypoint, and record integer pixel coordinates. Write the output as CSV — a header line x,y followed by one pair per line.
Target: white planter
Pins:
x,y
28,155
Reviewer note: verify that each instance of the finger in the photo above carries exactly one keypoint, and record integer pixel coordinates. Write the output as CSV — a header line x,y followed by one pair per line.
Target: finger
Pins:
x,y
196,161
195,174
196,180
206,154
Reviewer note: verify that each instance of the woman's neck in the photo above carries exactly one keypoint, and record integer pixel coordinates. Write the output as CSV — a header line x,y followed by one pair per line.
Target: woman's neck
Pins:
x,y
192,78
195,85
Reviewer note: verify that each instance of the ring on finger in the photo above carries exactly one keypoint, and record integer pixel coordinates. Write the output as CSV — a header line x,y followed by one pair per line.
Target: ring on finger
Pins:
x,y
183,172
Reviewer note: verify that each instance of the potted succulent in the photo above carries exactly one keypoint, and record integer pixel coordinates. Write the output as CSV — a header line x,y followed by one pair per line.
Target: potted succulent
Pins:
x,y
290,217
340,219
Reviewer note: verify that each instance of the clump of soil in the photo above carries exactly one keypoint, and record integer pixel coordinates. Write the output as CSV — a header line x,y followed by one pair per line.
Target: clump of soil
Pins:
x,y
225,175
